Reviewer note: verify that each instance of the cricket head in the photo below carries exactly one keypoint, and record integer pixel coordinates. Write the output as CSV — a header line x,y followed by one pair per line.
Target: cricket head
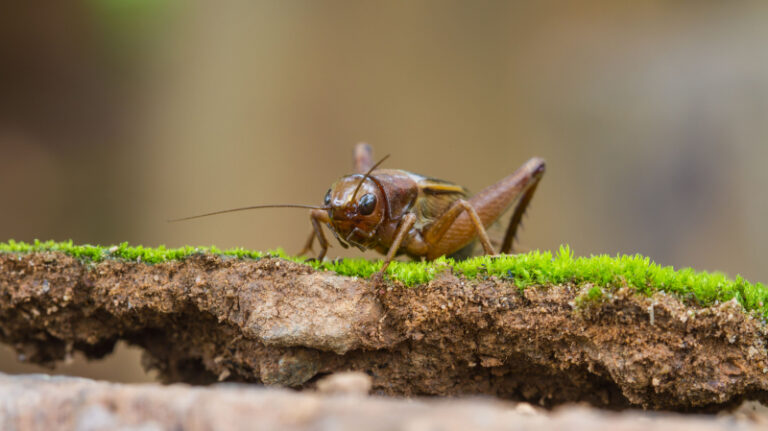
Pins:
x,y
356,207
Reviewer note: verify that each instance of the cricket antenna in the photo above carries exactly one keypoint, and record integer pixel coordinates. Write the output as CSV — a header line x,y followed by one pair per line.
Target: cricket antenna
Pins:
x,y
368,174
254,207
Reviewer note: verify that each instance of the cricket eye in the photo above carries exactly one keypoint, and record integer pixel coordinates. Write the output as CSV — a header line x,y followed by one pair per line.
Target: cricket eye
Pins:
x,y
327,200
367,204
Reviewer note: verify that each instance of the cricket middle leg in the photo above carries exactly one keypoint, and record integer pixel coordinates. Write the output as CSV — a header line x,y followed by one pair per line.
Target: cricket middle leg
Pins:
x,y
437,235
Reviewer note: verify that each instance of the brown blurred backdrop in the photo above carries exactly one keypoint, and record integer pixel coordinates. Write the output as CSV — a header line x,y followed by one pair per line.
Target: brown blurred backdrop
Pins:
x,y
116,115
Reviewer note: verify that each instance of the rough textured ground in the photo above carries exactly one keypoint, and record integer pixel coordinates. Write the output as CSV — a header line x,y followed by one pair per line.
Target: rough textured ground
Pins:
x,y
272,321
36,402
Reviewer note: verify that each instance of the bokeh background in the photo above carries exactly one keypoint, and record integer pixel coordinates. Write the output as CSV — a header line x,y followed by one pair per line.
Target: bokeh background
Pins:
x,y
116,115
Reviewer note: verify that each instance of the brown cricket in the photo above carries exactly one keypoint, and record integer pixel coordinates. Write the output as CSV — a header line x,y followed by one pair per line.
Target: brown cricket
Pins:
x,y
398,212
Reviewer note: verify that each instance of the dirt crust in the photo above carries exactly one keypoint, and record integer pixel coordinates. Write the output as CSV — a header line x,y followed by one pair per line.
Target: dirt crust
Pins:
x,y
281,323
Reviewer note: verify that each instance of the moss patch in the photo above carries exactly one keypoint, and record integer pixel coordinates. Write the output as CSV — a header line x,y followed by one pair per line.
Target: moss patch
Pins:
x,y
527,269
124,251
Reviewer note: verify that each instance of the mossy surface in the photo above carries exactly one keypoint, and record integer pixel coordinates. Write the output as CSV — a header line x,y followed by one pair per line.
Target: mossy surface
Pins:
x,y
527,269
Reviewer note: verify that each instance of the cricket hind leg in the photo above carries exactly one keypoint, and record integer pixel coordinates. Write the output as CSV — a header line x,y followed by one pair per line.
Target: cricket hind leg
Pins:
x,y
465,220
363,158
517,215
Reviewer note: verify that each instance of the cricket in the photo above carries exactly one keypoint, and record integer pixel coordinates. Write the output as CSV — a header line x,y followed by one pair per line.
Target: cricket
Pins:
x,y
398,212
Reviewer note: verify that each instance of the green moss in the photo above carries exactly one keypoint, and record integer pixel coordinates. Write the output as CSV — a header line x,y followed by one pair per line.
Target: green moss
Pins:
x,y
593,295
527,269
123,251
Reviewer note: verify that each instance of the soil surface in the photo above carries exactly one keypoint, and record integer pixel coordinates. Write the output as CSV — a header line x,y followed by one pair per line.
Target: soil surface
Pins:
x,y
209,318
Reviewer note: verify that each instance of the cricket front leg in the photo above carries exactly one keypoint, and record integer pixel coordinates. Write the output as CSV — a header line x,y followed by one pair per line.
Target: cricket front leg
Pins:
x,y
308,245
317,217
408,221
457,230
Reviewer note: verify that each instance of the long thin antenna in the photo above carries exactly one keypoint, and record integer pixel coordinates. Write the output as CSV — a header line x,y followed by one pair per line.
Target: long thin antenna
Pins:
x,y
368,174
246,208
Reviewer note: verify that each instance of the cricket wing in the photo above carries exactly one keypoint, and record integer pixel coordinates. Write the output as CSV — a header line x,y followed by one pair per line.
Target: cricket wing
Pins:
x,y
435,197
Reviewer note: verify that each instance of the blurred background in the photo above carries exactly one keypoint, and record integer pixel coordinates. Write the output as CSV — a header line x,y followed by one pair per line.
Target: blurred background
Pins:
x,y
116,115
